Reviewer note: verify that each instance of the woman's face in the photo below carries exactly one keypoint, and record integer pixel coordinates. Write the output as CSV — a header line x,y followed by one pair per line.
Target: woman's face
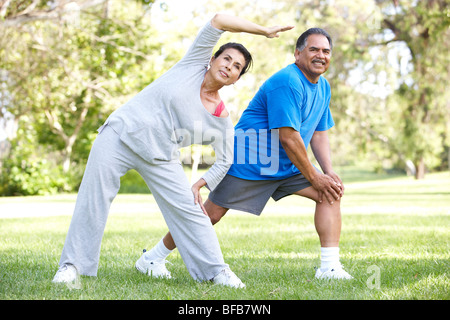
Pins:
x,y
227,67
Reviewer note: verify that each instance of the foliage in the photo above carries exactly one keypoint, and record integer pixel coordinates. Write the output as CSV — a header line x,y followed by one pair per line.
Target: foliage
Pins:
x,y
28,172
423,96
132,182
64,77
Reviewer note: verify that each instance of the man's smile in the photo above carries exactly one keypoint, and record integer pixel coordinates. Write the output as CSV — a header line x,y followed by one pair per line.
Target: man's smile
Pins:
x,y
319,62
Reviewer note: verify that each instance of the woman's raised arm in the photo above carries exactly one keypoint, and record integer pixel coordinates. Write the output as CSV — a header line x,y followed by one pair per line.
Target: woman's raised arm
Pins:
x,y
230,23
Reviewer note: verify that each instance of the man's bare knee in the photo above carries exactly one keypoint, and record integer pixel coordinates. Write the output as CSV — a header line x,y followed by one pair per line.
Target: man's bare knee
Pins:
x,y
215,219
214,211
312,194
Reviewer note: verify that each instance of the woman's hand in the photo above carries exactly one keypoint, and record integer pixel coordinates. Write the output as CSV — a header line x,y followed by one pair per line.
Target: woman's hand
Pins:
x,y
272,32
197,196
230,23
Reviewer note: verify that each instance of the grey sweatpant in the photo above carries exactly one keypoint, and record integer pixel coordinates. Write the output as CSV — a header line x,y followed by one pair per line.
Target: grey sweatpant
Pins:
x,y
191,230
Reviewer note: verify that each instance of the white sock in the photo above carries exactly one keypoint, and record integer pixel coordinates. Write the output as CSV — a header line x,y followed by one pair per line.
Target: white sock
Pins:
x,y
329,257
158,252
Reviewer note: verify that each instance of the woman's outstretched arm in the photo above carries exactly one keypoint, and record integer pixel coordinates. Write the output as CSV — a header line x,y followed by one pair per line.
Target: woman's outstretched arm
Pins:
x,y
230,23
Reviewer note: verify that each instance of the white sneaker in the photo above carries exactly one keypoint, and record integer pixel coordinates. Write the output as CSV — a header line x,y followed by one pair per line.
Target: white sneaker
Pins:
x,y
227,277
66,274
154,268
336,272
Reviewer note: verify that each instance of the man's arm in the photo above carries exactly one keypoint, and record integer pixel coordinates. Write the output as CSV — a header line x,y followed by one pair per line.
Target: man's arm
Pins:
x,y
320,146
295,149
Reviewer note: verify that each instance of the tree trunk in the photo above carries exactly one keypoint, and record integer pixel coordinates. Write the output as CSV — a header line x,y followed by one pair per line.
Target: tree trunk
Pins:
x,y
67,154
196,156
66,163
420,169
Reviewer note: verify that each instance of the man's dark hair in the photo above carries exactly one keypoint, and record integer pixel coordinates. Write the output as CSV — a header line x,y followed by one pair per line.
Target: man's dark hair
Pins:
x,y
301,41
247,56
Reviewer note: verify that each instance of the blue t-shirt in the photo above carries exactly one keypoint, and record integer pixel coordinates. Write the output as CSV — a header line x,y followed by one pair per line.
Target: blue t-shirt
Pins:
x,y
286,99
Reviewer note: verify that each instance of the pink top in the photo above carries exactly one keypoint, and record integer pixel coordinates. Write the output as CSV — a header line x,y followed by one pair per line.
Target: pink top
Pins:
x,y
219,109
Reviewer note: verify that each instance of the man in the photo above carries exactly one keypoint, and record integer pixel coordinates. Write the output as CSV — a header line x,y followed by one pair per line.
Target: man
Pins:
x,y
291,110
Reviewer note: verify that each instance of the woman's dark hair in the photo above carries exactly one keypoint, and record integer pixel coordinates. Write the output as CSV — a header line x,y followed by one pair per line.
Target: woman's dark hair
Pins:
x,y
301,41
239,47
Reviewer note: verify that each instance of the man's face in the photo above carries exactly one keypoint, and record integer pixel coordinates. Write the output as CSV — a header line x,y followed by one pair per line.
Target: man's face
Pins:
x,y
314,59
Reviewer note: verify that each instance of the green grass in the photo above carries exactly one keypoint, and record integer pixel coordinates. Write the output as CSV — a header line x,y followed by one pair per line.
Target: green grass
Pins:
x,y
395,242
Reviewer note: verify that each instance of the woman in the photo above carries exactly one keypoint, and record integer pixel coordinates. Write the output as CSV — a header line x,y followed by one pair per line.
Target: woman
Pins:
x,y
145,134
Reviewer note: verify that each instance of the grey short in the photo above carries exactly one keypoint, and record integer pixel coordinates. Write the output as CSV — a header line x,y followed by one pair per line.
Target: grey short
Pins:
x,y
252,195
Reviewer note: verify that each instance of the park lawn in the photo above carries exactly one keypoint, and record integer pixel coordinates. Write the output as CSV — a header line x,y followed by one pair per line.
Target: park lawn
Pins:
x,y
395,242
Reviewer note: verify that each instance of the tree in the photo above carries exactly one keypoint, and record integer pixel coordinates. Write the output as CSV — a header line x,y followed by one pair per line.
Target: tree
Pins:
x,y
15,13
63,76
423,26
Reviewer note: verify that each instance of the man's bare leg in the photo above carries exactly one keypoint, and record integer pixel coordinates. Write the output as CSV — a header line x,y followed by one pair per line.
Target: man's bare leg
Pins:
x,y
215,213
153,261
327,218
